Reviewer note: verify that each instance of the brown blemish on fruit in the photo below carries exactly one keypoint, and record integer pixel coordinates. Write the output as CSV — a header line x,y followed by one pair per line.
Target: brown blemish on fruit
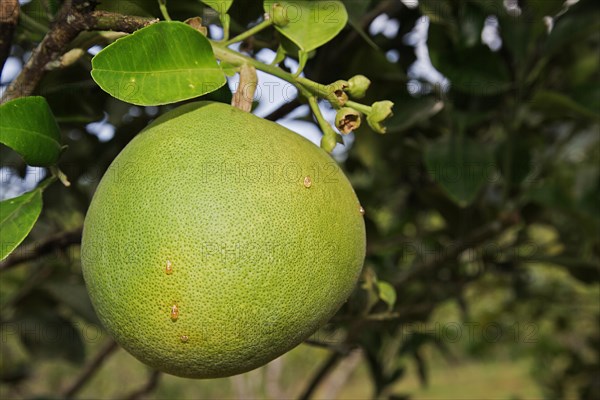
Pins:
x,y
361,210
174,312
307,182
169,268
184,338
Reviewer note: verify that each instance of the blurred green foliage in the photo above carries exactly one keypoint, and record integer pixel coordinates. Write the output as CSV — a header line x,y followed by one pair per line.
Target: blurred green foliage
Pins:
x,y
481,200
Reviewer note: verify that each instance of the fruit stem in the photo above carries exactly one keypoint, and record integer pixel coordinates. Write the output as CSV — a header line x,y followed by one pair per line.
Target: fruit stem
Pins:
x,y
233,57
314,106
328,141
250,32
306,86
308,89
359,107
316,88
46,182
162,4
225,22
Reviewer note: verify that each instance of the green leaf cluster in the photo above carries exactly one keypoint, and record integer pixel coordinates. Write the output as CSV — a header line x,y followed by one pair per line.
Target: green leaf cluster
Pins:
x,y
27,125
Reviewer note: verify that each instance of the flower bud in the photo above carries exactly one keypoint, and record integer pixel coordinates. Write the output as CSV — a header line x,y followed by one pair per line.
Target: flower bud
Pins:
x,y
380,111
278,15
336,93
358,85
347,119
328,143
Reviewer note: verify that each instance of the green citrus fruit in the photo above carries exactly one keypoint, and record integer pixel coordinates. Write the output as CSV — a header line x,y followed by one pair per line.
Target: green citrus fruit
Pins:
x,y
217,241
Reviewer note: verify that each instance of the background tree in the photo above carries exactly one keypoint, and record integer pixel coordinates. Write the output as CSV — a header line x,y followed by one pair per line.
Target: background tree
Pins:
x,y
481,199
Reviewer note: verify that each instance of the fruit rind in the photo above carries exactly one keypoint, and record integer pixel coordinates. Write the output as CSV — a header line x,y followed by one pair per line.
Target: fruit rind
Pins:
x,y
258,261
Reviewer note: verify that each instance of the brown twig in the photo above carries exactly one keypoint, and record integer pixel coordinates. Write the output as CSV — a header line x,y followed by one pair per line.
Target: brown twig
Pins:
x,y
9,17
38,276
74,17
32,251
339,353
385,316
244,95
149,386
475,239
108,21
400,314
339,378
341,348
90,369
284,110
326,368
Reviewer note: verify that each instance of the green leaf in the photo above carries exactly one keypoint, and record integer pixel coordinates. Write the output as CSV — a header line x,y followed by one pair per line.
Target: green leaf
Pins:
x,y
17,217
27,125
74,100
387,294
220,6
40,17
541,8
462,22
410,111
587,95
520,38
163,63
486,73
369,285
356,10
392,75
311,23
557,105
460,167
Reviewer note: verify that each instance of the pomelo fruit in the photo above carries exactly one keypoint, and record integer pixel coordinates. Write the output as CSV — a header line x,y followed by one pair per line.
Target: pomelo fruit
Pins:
x,y
217,241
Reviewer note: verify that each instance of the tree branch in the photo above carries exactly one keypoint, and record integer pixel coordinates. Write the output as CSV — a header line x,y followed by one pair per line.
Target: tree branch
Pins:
x,y
398,315
90,369
339,353
475,239
73,18
9,17
342,348
149,386
339,378
32,251
108,21
284,110
321,374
